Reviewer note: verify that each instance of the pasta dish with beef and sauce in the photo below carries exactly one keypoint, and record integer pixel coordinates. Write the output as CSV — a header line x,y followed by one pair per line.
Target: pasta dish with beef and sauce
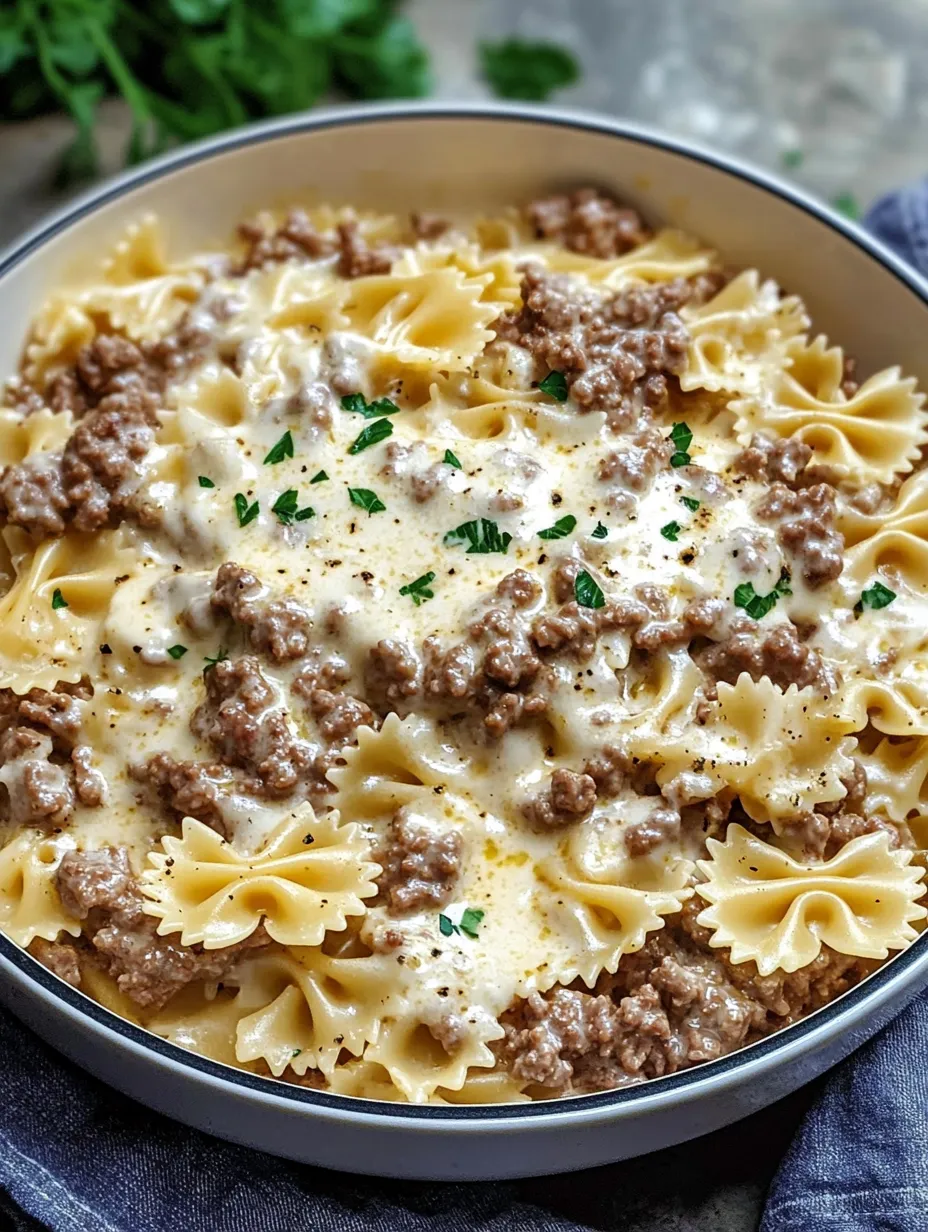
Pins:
x,y
458,661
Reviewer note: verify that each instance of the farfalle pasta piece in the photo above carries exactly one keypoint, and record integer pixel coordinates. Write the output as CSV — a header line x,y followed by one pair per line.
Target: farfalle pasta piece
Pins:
x,y
896,706
871,436
781,752
739,337
303,296
597,917
60,330
43,640
305,881
897,777
29,902
312,1006
769,908
41,432
392,766
669,254
896,540
438,319
419,1063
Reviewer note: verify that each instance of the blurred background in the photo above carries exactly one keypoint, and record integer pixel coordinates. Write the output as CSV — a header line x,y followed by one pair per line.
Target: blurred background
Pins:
x,y
832,93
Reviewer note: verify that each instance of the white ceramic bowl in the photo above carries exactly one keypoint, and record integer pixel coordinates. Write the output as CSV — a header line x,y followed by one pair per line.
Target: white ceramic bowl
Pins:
x,y
434,158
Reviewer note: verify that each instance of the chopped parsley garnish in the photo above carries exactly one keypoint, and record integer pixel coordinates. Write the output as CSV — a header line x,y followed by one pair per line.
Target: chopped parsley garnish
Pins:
x,y
177,652
373,434
682,438
481,535
757,606
518,68
205,482
58,600
555,386
691,503
286,508
561,528
283,449
586,591
219,657
792,158
364,498
600,531
419,590
875,597
357,404
848,205
243,511
319,477
671,531
451,460
470,920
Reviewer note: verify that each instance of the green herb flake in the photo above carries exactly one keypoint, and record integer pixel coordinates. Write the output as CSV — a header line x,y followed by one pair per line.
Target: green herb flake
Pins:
x,y
792,159
682,438
848,205
757,606
420,590
243,511
304,514
691,503
875,597
373,434
357,404
599,531
481,535
555,386
451,459
58,600
283,449
365,499
177,652
561,528
219,657
532,71
285,506
205,482
586,591
445,927
296,1052
319,477
470,920
671,531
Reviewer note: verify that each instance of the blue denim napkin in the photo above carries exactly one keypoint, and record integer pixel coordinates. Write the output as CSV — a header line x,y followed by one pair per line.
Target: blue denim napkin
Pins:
x,y
77,1157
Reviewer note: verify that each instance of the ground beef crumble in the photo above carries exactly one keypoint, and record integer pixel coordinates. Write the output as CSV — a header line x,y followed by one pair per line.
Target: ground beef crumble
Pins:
x,y
588,222
777,653
805,529
420,865
279,628
567,798
100,888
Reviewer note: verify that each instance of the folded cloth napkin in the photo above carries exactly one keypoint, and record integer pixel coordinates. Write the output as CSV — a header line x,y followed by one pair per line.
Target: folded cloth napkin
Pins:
x,y
859,1163
76,1157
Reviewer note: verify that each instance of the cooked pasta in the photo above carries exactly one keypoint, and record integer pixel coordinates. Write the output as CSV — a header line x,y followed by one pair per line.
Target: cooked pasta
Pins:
x,y
457,661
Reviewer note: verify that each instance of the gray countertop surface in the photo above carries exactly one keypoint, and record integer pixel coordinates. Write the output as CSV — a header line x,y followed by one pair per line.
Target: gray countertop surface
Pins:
x,y
845,82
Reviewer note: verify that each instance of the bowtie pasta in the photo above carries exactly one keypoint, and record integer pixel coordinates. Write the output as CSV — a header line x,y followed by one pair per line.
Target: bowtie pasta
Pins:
x,y
458,661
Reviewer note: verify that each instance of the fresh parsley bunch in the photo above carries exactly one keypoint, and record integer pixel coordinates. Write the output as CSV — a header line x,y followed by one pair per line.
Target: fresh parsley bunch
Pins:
x,y
188,68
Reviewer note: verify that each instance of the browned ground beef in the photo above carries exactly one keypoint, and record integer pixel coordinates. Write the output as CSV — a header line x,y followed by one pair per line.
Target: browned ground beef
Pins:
x,y
279,628
61,958
774,460
297,238
805,529
392,675
100,888
673,1004
662,825
616,351
39,791
776,653
587,221
338,715
420,865
822,835
89,783
241,720
633,466
188,788
568,797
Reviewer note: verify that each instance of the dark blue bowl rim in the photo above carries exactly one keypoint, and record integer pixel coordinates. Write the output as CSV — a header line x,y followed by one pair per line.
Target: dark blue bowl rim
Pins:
x,y
746,1058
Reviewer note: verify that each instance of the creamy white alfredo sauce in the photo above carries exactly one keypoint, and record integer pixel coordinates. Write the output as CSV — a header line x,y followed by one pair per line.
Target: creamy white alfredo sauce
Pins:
x,y
378,451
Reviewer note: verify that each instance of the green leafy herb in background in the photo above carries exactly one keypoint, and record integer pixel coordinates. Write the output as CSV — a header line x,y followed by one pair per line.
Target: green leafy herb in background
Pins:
x,y
516,68
188,68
